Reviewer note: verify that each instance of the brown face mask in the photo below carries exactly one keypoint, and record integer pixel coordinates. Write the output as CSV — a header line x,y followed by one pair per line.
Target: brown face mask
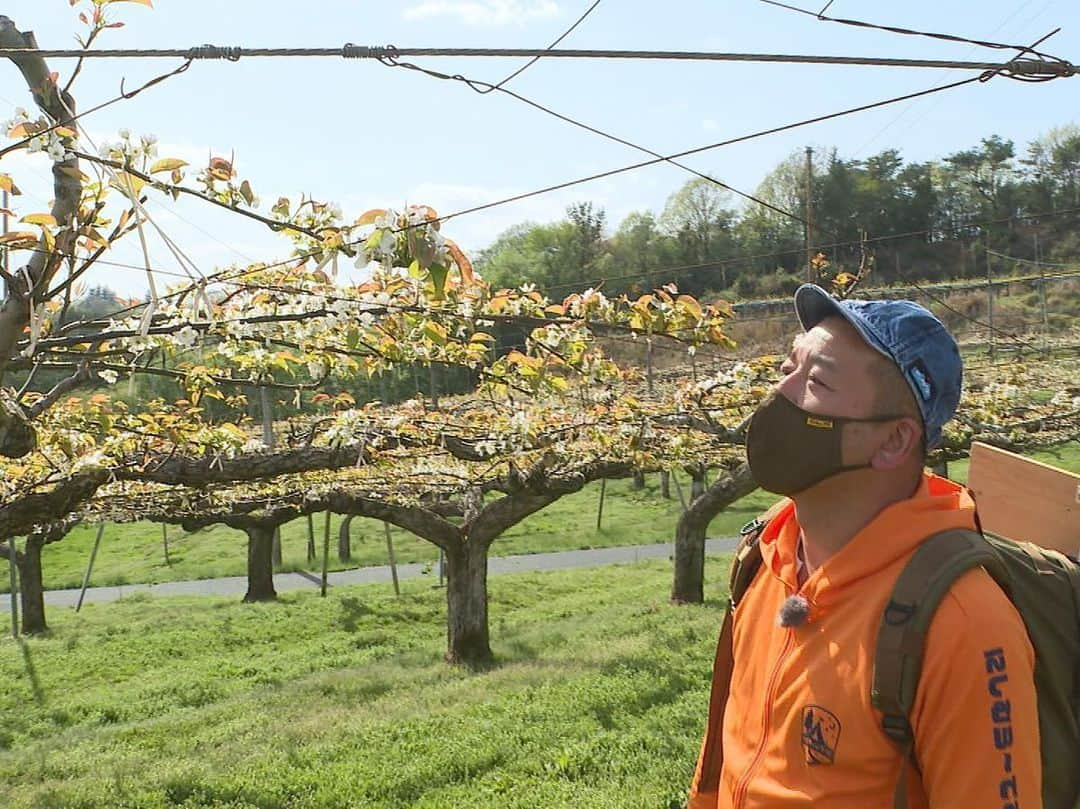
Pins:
x,y
790,449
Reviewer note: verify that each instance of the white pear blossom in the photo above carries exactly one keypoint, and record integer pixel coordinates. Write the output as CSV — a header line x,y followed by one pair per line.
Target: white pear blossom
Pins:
x,y
108,376
57,151
36,144
186,337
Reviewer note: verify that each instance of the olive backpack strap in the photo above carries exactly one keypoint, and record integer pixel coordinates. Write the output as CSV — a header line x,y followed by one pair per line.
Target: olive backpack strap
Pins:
x,y
744,567
938,562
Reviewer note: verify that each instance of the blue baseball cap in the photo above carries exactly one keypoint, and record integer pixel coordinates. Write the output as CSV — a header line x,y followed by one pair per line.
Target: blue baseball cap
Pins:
x,y
909,335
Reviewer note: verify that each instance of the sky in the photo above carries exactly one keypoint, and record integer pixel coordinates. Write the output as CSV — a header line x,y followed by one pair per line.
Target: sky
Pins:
x,y
363,135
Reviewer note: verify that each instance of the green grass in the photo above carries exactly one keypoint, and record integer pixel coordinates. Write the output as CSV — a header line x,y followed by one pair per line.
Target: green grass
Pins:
x,y
598,699
132,553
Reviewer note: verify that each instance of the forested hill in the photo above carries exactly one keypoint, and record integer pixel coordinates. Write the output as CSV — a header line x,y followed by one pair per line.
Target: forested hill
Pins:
x,y
922,221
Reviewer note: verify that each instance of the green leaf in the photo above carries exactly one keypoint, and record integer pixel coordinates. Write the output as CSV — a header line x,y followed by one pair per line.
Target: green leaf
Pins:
x,y
438,280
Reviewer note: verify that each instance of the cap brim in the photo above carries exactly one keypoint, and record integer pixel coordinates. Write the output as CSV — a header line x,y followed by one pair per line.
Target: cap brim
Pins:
x,y
813,304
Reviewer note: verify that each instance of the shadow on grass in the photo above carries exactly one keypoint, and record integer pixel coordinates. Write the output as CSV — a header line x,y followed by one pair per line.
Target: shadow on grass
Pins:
x,y
31,672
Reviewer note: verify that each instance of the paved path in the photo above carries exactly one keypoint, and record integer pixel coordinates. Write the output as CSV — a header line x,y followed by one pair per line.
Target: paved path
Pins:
x,y
497,565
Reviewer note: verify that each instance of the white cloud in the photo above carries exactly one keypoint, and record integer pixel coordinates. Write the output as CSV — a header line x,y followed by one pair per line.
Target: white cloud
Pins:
x,y
484,12
709,124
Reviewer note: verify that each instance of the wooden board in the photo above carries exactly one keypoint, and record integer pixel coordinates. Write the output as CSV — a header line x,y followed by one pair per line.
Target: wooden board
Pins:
x,y
1024,499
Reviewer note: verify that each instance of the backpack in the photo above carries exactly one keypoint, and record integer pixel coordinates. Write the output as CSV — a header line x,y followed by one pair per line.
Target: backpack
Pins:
x,y
1042,584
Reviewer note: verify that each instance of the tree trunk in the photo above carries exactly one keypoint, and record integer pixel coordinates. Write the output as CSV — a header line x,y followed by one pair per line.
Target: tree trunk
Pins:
x,y
665,484
688,586
639,479
260,568
466,604
344,545
31,590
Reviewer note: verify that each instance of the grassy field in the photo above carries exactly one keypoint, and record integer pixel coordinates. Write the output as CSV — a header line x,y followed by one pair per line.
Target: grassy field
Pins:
x,y
598,700
134,552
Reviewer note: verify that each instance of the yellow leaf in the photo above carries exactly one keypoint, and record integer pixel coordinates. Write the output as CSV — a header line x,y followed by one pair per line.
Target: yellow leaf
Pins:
x,y
7,184
39,219
691,304
64,132
168,164
122,180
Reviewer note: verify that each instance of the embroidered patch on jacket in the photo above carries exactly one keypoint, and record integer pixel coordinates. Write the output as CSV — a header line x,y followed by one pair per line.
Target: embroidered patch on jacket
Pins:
x,y
820,734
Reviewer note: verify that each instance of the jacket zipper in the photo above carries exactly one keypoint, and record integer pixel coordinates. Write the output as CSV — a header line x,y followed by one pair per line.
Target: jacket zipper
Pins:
x,y
743,784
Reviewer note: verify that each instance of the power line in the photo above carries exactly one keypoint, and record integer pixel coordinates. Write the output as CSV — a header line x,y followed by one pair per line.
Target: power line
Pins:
x,y
911,106
709,147
483,88
563,36
907,31
1017,67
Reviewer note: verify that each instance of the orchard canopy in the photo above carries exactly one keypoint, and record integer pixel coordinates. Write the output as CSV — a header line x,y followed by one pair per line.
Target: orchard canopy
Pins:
x,y
255,423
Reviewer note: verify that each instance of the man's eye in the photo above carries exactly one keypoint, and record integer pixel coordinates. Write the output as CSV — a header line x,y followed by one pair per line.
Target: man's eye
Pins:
x,y
817,381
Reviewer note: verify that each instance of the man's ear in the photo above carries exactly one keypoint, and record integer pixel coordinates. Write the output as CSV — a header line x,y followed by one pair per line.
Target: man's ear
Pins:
x,y
902,441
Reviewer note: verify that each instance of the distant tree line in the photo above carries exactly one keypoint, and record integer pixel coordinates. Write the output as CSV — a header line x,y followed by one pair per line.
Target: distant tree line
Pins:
x,y
951,209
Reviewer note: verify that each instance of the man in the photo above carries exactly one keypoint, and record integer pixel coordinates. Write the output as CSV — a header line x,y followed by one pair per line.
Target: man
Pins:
x,y
865,391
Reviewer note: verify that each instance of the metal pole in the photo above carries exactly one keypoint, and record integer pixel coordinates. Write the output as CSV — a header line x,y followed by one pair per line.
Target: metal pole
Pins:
x,y
600,509
14,582
433,378
165,540
90,566
7,253
325,554
268,439
808,227
390,554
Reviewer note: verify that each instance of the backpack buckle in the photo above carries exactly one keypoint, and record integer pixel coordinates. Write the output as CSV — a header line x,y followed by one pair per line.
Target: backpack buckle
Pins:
x,y
751,527
898,613
897,728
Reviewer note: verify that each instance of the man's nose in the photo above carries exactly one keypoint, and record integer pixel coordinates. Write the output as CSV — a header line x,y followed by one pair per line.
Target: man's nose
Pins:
x,y
792,387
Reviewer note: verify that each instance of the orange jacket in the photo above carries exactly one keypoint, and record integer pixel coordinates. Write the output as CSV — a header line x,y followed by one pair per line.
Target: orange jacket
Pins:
x,y
799,729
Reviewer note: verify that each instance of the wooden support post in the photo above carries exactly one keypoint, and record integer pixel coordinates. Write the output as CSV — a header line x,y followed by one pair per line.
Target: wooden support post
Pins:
x,y
325,554
600,508
390,555
90,566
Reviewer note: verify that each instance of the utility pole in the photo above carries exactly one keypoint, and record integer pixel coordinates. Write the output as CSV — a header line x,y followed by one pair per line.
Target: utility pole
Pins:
x,y
1042,296
7,253
989,298
809,214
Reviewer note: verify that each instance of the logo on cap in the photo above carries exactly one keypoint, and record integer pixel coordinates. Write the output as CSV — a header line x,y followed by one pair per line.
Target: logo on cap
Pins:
x,y
921,380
